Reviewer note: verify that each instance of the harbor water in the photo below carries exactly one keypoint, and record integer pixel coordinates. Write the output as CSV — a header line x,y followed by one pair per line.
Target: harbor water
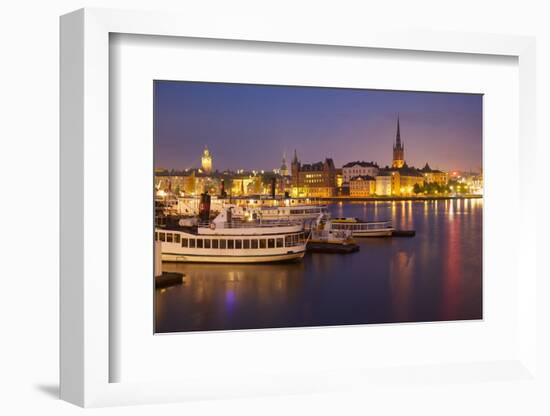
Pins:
x,y
433,276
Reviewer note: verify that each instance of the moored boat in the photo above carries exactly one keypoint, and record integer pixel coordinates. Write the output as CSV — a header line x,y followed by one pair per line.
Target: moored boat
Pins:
x,y
361,228
325,239
226,240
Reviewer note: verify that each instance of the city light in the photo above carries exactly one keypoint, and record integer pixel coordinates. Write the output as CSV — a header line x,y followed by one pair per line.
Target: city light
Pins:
x,y
358,179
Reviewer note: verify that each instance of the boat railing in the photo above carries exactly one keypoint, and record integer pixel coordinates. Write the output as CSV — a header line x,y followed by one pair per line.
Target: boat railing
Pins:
x,y
325,234
253,224
364,224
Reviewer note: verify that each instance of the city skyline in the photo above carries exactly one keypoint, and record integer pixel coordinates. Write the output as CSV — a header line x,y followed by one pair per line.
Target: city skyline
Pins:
x,y
251,126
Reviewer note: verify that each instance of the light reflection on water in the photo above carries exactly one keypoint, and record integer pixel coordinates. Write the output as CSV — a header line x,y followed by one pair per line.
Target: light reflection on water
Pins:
x,y
433,276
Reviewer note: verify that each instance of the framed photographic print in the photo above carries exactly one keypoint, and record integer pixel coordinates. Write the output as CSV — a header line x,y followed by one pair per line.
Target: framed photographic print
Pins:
x,y
344,230
271,212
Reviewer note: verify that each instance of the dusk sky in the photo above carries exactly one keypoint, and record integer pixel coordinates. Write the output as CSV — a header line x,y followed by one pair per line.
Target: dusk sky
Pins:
x,y
251,126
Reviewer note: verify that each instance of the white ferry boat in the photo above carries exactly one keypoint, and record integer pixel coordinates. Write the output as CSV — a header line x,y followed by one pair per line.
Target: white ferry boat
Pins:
x,y
360,228
307,214
224,240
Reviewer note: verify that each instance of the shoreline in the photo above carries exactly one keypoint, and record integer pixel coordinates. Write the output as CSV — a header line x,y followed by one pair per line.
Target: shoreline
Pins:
x,y
396,198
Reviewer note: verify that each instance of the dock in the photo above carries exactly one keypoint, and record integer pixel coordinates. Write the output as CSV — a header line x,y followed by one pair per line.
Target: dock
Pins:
x,y
315,247
167,279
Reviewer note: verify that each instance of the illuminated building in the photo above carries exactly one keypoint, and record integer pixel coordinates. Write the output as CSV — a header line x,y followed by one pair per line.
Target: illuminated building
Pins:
x,y
206,161
313,180
359,169
398,182
383,183
246,185
405,180
398,150
188,182
362,186
434,176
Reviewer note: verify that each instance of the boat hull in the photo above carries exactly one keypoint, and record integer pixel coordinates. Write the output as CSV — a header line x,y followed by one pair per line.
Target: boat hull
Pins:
x,y
373,233
204,258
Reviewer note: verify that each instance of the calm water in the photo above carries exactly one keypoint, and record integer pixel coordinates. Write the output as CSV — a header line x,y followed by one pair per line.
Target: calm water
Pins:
x,y
436,275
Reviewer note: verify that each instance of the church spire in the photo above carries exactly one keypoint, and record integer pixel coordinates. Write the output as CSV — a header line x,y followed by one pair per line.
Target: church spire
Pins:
x,y
398,135
398,149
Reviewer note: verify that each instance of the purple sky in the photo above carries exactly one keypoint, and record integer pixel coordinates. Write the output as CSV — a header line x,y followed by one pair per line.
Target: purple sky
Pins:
x,y
250,126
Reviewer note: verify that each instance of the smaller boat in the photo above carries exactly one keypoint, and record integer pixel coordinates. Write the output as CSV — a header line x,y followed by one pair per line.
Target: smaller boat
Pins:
x,y
325,239
361,228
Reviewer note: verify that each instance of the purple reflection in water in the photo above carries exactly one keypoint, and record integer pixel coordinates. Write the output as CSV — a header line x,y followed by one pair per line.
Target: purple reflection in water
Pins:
x,y
229,300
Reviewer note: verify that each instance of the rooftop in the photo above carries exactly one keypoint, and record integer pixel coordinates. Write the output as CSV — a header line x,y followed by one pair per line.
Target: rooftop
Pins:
x,y
427,169
360,163
329,163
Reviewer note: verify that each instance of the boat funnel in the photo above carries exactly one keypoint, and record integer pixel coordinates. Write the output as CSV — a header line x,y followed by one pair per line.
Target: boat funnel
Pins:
x,y
204,207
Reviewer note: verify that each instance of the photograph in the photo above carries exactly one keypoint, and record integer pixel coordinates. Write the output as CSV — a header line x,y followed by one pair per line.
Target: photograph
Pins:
x,y
282,206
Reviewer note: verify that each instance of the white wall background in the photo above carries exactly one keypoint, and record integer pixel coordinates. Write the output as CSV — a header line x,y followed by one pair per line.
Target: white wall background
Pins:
x,y
29,160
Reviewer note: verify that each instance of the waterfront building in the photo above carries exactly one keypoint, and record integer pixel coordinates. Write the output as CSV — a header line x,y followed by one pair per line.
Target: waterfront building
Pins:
x,y
405,180
359,169
476,184
313,180
341,189
246,185
168,182
398,182
434,176
398,150
188,182
472,182
339,178
206,161
190,185
384,182
362,185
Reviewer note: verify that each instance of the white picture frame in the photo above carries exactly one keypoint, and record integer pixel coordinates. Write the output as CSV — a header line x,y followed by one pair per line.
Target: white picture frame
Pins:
x,y
85,216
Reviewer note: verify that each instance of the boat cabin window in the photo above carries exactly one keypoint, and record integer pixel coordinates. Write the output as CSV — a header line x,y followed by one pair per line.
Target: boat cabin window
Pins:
x,y
199,243
184,242
270,243
254,243
168,237
262,243
230,244
294,239
238,244
246,244
162,236
223,244
280,242
177,238
192,243
215,243
206,243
